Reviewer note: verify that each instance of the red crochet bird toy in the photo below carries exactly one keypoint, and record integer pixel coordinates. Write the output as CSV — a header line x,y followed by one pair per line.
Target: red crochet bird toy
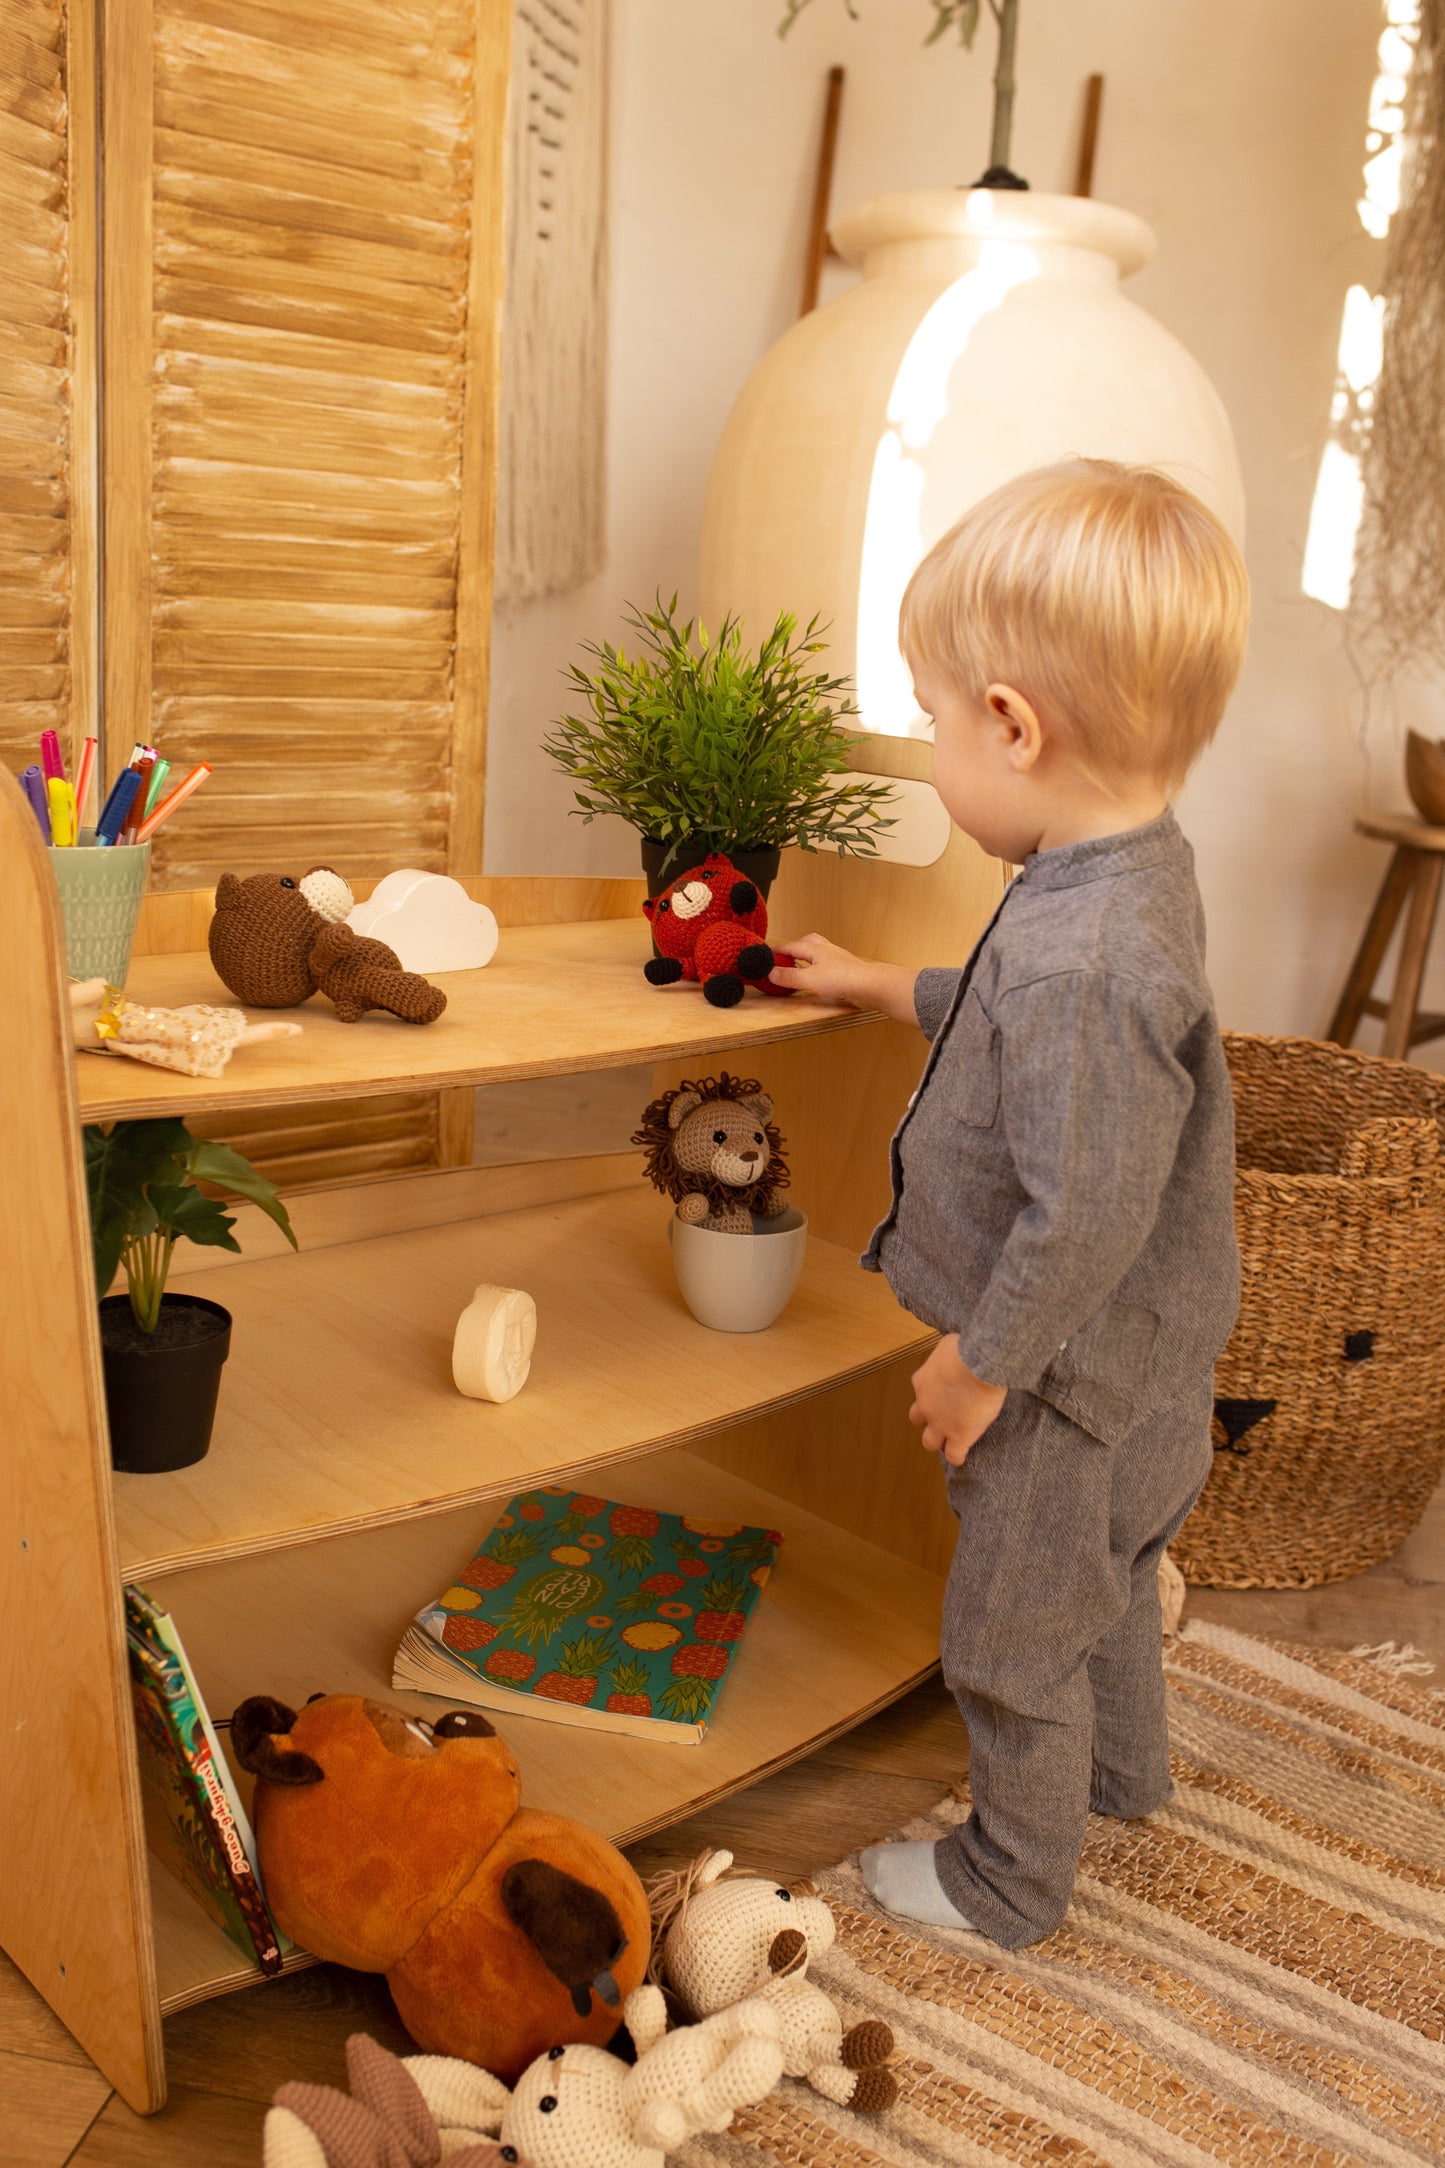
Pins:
x,y
710,925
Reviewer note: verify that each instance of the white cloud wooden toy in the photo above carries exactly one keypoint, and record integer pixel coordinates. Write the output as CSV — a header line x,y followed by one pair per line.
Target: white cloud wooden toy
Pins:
x,y
724,1938
492,1348
429,920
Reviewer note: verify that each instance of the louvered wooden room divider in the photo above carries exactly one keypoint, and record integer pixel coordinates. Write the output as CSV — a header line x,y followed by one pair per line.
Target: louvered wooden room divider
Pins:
x,y
303,235
48,517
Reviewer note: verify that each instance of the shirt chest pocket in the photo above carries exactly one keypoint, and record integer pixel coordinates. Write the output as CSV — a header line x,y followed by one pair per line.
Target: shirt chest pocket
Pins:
x,y
967,1077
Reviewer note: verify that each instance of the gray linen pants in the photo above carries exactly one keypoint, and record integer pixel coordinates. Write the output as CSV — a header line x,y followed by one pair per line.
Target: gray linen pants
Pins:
x,y
1052,1646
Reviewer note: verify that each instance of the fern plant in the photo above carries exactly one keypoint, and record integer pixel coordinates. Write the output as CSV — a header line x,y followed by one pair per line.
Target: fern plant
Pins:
x,y
694,740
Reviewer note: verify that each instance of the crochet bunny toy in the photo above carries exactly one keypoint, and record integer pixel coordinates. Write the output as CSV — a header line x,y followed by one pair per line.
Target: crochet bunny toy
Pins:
x,y
574,2107
396,2113
718,1938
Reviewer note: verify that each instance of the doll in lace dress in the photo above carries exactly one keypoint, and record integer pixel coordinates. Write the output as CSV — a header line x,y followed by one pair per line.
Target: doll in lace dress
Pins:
x,y
197,1041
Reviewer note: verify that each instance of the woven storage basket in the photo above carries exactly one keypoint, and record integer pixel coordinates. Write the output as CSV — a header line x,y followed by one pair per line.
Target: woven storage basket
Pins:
x,y
1340,1344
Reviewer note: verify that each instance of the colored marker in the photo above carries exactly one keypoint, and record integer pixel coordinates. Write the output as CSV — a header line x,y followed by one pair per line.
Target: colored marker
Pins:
x,y
84,777
50,759
32,782
137,804
62,812
168,805
117,805
159,773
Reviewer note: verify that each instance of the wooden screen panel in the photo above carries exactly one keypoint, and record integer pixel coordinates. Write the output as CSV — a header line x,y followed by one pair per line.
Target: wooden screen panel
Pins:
x,y
47,375
301,421
340,1140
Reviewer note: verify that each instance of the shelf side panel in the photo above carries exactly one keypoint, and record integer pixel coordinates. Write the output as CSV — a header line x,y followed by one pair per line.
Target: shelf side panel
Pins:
x,y
74,1906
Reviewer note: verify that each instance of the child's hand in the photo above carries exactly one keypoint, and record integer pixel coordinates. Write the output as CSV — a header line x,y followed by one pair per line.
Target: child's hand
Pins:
x,y
951,1406
824,970
830,973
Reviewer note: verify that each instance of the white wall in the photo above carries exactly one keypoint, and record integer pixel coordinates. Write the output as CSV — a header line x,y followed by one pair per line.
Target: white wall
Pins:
x,y
1237,130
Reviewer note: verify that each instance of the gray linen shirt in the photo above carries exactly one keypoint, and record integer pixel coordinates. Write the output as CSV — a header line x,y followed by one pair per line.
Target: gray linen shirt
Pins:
x,y
1063,1179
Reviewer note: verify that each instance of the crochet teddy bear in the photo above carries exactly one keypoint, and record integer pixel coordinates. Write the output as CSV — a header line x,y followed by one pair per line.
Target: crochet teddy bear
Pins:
x,y
710,925
712,1146
276,941
401,1846
720,1938
574,2107
396,2113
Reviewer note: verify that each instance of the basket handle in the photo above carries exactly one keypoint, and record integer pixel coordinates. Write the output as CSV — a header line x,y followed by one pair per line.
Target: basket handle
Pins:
x,y
1395,1145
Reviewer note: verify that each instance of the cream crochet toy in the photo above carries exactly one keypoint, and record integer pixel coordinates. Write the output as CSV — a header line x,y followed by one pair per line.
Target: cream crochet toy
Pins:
x,y
719,1937
575,2107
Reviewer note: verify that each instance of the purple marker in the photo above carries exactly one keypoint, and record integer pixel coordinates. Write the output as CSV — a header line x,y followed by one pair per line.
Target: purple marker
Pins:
x,y
32,782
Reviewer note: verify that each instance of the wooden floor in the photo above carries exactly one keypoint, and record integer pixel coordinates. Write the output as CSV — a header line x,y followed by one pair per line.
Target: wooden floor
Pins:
x,y
226,2058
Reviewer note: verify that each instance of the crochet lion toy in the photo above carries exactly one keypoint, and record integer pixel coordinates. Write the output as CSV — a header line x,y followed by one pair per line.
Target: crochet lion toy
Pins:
x,y
400,1846
712,1146
720,1938
711,925
575,2107
276,941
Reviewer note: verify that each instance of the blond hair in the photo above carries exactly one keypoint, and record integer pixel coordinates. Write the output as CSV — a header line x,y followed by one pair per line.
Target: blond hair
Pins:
x,y
1111,598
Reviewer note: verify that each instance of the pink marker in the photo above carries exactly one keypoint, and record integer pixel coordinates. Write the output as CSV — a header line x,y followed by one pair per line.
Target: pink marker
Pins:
x,y
174,798
50,760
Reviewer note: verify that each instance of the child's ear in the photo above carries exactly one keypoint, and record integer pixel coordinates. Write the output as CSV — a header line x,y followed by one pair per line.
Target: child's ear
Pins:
x,y
1023,732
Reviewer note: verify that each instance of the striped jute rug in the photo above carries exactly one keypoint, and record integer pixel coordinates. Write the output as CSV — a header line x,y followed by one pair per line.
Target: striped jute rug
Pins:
x,y
1256,1975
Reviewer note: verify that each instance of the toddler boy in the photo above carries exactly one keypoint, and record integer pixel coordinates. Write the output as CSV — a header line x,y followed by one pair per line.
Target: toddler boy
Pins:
x,y
1063,1179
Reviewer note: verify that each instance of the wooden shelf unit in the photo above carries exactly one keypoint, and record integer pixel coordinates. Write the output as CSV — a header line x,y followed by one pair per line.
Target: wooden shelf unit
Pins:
x,y
348,1478
845,1627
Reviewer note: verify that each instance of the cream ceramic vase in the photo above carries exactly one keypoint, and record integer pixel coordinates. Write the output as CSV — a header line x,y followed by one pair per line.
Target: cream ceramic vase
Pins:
x,y
988,335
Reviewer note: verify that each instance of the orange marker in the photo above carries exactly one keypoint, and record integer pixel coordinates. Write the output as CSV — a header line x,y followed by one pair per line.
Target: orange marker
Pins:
x,y
84,776
174,798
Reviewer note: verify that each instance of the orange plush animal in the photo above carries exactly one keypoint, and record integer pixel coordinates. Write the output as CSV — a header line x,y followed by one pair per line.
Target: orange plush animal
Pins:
x,y
400,1846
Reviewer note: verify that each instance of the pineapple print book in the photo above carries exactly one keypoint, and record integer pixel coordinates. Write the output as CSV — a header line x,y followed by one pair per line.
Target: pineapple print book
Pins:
x,y
616,1617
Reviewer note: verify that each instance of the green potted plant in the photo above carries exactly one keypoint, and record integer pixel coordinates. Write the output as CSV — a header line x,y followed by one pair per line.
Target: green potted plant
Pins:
x,y
704,746
162,1353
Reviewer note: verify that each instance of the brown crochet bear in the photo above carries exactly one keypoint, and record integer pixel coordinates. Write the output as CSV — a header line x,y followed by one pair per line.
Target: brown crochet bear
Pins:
x,y
712,1145
276,941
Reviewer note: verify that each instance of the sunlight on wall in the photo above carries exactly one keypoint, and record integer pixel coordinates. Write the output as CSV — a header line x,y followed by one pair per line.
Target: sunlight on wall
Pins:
x,y
893,534
1339,497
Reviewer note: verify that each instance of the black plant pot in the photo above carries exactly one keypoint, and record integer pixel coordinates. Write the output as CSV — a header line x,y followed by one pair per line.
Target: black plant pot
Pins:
x,y
161,1387
663,862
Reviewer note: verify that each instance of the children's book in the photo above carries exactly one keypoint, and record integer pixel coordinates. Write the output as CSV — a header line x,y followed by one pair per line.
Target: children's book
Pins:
x,y
614,1617
195,1822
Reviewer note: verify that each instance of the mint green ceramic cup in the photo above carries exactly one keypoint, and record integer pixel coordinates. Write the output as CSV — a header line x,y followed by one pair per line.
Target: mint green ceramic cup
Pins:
x,y
100,900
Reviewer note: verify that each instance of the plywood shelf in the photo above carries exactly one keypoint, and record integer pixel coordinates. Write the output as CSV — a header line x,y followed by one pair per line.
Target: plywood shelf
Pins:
x,y
194,1960
555,1000
338,1409
844,1628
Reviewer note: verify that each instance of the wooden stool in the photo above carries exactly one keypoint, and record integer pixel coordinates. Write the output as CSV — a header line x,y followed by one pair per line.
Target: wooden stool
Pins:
x,y
1415,871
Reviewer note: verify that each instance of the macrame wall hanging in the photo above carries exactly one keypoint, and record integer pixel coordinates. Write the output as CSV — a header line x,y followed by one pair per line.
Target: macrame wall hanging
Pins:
x,y
1397,599
552,458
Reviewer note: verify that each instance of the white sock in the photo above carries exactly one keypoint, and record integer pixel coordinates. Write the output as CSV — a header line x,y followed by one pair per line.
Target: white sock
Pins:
x,y
904,1879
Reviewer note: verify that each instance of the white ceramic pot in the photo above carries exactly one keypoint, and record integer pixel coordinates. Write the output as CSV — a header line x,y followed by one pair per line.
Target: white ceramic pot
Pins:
x,y
739,1283
988,336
